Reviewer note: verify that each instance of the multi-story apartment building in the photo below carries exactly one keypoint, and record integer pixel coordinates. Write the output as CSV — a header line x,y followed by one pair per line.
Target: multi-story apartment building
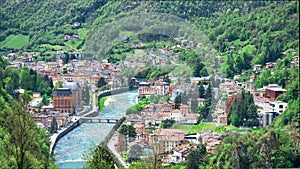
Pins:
x,y
63,100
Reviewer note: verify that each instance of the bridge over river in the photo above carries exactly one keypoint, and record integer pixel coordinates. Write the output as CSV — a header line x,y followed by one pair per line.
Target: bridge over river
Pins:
x,y
70,149
98,120
88,117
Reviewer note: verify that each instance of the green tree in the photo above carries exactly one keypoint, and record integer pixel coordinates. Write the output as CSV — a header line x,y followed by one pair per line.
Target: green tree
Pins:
x,y
54,125
135,153
201,90
101,82
25,78
197,157
28,146
45,100
101,158
129,132
242,110
177,101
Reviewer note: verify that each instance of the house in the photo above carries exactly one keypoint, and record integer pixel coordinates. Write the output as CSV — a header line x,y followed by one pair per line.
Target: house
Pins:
x,y
40,118
160,88
176,115
257,68
267,94
278,106
222,120
211,141
271,65
211,146
190,118
35,105
181,152
36,95
201,133
50,65
273,91
75,37
164,140
139,128
76,24
133,119
295,61
67,37
196,80
28,57
12,55
62,119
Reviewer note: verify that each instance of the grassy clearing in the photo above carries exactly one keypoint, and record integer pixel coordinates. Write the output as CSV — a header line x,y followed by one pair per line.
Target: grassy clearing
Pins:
x,y
74,43
101,103
54,47
15,41
82,33
77,44
192,129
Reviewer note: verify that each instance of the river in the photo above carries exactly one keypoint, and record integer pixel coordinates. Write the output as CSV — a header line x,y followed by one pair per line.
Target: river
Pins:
x,y
70,149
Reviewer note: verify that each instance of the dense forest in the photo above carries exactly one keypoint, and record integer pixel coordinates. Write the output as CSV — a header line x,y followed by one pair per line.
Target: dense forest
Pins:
x,y
243,33
23,144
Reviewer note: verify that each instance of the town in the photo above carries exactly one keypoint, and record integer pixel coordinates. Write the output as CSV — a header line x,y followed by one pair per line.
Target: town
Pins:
x,y
76,81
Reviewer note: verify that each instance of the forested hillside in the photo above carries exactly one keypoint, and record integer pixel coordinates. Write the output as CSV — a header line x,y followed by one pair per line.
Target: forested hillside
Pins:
x,y
259,31
22,143
242,33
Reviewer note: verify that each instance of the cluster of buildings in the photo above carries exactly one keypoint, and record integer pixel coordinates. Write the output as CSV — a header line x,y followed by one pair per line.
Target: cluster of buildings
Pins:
x,y
81,71
155,114
160,88
65,102
264,98
75,76
144,60
170,145
271,65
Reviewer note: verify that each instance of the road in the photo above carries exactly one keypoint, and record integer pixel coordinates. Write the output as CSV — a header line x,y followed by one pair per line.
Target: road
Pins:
x,y
111,146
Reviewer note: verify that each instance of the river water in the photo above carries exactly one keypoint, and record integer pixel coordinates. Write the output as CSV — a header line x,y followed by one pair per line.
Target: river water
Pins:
x,y
70,149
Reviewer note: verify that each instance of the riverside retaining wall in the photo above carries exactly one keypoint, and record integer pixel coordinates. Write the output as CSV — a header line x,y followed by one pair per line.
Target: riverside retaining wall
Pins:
x,y
63,133
77,122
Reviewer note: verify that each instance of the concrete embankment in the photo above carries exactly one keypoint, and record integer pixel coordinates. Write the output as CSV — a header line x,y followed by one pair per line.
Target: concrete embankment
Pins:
x,y
112,92
55,137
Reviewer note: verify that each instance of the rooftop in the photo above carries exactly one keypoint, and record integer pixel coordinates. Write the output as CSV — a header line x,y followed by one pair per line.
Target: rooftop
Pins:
x,y
62,92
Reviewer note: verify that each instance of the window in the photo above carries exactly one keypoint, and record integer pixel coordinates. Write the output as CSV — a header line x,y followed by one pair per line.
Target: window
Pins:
x,y
280,106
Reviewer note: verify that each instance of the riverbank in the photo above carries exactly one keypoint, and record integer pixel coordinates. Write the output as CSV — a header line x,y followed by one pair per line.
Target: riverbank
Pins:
x,y
102,102
71,150
60,133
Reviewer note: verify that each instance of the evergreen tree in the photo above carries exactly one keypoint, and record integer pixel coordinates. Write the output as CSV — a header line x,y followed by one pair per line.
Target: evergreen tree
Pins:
x,y
101,82
177,101
201,90
242,110
54,125
196,157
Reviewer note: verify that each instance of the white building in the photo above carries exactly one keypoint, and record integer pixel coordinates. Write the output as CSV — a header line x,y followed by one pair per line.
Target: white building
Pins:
x,y
278,106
